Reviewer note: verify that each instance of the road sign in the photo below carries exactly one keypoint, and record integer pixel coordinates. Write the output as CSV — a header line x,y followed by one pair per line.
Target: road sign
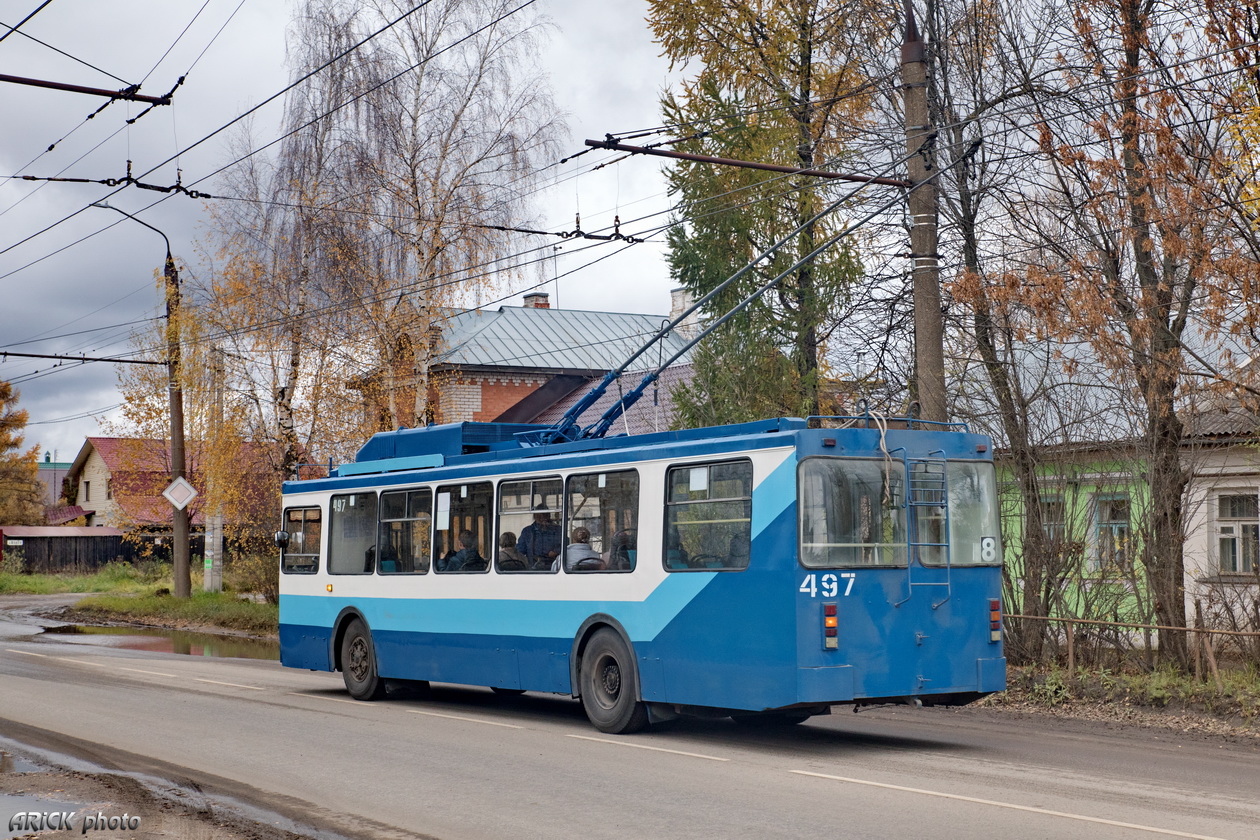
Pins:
x,y
180,493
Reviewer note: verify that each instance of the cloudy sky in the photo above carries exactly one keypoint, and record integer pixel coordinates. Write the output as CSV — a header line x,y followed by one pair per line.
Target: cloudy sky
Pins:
x,y
75,279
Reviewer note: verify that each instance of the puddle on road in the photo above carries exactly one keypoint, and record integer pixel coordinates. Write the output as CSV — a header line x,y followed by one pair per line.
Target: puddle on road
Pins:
x,y
12,805
166,641
10,763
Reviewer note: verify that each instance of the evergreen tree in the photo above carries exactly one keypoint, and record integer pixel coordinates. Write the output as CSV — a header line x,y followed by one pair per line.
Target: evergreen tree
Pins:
x,y
775,85
21,495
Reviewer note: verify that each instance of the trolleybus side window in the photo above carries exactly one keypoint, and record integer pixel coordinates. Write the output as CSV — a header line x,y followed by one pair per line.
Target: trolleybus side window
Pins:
x,y
708,516
462,527
529,526
301,556
352,534
852,512
602,521
406,532
973,515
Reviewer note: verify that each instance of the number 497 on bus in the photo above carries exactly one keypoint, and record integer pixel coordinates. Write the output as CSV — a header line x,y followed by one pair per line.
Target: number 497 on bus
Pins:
x,y
828,585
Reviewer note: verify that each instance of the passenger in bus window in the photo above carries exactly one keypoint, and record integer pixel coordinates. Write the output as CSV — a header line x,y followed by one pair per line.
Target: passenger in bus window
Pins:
x,y
467,559
579,556
510,560
540,541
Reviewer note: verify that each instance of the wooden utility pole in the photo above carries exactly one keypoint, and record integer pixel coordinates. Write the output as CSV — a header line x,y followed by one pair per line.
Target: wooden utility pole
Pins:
x,y
182,582
929,331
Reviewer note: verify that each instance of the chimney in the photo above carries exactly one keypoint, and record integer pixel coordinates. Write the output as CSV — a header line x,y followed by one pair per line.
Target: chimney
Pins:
x,y
536,300
679,302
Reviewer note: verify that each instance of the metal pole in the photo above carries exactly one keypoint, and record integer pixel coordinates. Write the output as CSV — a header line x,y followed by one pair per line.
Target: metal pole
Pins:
x,y
182,583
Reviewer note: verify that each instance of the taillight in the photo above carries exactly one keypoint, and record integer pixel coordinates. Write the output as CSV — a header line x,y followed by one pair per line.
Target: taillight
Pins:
x,y
995,620
831,627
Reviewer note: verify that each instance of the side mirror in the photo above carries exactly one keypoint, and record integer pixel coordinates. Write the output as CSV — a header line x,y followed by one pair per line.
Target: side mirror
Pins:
x,y
282,539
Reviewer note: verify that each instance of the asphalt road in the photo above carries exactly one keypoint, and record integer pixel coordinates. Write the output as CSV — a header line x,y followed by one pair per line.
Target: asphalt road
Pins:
x,y
464,763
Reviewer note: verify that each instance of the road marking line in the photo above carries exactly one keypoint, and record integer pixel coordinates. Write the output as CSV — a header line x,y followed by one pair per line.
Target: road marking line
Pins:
x,y
81,661
333,699
28,653
234,685
646,747
1028,808
142,671
469,719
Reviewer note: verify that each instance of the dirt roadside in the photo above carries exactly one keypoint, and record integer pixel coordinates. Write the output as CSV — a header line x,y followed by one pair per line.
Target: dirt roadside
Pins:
x,y
138,811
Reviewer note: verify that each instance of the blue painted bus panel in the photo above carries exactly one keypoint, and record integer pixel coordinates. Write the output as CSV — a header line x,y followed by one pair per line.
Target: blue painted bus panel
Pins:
x,y
305,645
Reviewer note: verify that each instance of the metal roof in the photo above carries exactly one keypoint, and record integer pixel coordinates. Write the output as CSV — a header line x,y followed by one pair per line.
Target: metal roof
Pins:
x,y
553,340
643,417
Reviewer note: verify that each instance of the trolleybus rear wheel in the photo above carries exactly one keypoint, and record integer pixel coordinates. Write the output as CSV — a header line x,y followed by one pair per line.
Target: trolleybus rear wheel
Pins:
x,y
358,664
610,691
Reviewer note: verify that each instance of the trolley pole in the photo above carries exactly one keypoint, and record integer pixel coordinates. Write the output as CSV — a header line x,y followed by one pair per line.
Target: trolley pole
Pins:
x,y
929,331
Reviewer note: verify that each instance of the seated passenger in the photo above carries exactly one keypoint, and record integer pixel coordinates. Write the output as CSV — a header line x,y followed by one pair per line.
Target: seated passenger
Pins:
x,y
540,541
738,552
510,560
467,559
579,556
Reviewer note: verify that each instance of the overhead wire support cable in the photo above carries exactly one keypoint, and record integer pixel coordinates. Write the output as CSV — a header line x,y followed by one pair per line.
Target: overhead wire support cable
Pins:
x,y
115,360
613,145
129,93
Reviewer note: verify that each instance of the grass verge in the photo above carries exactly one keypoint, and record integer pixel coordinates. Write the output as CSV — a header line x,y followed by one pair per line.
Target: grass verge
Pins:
x,y
1162,690
116,577
223,610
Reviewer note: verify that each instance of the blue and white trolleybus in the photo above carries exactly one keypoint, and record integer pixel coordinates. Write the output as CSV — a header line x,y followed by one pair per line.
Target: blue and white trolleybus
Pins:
x,y
766,571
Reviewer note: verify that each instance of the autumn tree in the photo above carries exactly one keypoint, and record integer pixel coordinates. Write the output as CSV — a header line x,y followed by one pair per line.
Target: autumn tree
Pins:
x,y
456,122
21,494
1139,253
776,83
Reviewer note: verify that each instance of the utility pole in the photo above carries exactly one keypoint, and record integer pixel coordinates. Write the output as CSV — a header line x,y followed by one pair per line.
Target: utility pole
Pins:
x,y
929,330
212,580
182,583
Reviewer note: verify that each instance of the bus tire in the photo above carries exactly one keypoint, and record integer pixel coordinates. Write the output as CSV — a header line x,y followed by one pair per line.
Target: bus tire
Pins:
x,y
358,663
610,690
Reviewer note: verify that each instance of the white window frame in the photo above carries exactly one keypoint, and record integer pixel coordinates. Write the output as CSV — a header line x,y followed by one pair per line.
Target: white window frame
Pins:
x,y
1232,529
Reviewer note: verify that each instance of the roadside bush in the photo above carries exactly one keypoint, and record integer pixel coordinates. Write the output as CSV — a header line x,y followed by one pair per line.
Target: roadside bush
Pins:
x,y
258,574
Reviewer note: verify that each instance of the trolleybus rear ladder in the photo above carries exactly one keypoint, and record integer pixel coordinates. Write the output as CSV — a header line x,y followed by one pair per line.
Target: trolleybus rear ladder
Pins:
x,y
927,507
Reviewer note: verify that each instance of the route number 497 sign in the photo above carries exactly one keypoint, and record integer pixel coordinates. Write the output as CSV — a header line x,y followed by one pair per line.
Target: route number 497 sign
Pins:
x,y
828,585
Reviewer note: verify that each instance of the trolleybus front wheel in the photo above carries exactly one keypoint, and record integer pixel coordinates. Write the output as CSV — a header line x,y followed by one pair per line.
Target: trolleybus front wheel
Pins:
x,y
610,691
358,664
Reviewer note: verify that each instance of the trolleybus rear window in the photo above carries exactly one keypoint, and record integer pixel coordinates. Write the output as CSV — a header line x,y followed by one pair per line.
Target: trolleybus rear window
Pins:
x,y
851,513
352,534
708,516
301,557
406,533
973,515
